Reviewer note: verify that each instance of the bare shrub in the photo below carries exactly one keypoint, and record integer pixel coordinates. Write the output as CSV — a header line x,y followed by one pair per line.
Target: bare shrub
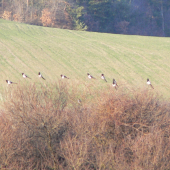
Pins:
x,y
17,17
32,17
7,15
36,117
47,18
46,128
127,121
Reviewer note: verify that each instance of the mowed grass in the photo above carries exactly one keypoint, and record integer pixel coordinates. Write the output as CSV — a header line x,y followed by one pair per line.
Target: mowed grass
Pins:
x,y
127,58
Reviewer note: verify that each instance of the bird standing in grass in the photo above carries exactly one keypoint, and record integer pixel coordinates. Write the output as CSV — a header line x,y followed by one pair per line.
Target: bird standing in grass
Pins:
x,y
40,76
64,77
10,82
25,76
79,101
90,76
103,77
115,84
149,83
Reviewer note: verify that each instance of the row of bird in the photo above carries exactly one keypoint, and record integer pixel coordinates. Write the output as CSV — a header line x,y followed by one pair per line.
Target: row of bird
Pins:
x,y
114,84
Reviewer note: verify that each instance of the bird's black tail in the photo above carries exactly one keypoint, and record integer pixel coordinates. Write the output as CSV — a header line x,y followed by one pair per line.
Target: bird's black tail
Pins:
x,y
151,86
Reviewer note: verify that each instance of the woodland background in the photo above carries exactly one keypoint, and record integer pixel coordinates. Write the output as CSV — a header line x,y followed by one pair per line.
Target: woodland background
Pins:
x,y
140,17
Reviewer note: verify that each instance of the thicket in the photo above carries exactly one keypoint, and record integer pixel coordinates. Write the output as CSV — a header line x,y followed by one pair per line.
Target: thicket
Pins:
x,y
46,128
146,17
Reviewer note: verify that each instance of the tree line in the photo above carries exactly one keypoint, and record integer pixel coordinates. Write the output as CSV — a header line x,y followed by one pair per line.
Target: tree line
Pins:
x,y
140,17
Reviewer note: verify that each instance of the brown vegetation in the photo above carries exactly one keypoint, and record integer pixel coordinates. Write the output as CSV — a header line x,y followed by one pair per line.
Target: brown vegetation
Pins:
x,y
47,18
17,17
7,15
46,13
46,128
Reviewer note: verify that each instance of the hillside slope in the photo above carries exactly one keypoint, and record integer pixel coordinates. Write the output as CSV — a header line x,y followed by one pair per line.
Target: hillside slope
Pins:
x,y
129,59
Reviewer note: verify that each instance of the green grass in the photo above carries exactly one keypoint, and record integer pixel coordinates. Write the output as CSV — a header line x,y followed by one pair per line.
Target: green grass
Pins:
x,y
127,58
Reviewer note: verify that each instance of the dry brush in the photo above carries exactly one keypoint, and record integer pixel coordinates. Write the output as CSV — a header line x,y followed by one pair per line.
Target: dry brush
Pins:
x,y
46,128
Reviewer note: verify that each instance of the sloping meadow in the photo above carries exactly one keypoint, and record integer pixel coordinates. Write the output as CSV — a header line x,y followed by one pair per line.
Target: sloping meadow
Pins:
x,y
47,128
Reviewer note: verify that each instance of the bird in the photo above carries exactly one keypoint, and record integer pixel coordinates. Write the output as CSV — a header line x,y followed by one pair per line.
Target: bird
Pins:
x,y
149,83
10,82
64,77
103,77
40,76
25,76
114,84
79,101
90,76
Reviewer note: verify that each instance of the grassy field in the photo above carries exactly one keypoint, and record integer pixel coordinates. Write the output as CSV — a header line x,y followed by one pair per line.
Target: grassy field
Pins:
x,y
44,127
127,58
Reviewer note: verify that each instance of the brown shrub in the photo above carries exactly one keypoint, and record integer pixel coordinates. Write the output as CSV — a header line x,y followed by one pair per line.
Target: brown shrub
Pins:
x,y
46,128
7,15
134,128
37,125
47,18
17,17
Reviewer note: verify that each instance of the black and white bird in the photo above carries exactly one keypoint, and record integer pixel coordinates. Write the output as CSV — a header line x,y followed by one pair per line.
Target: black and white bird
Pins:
x,y
79,101
40,76
64,77
25,76
10,82
149,83
115,84
103,77
90,76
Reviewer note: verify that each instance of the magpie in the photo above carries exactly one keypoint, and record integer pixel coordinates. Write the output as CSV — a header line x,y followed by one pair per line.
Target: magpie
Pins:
x,y
149,83
10,82
90,76
64,77
103,77
79,101
115,84
25,76
40,76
